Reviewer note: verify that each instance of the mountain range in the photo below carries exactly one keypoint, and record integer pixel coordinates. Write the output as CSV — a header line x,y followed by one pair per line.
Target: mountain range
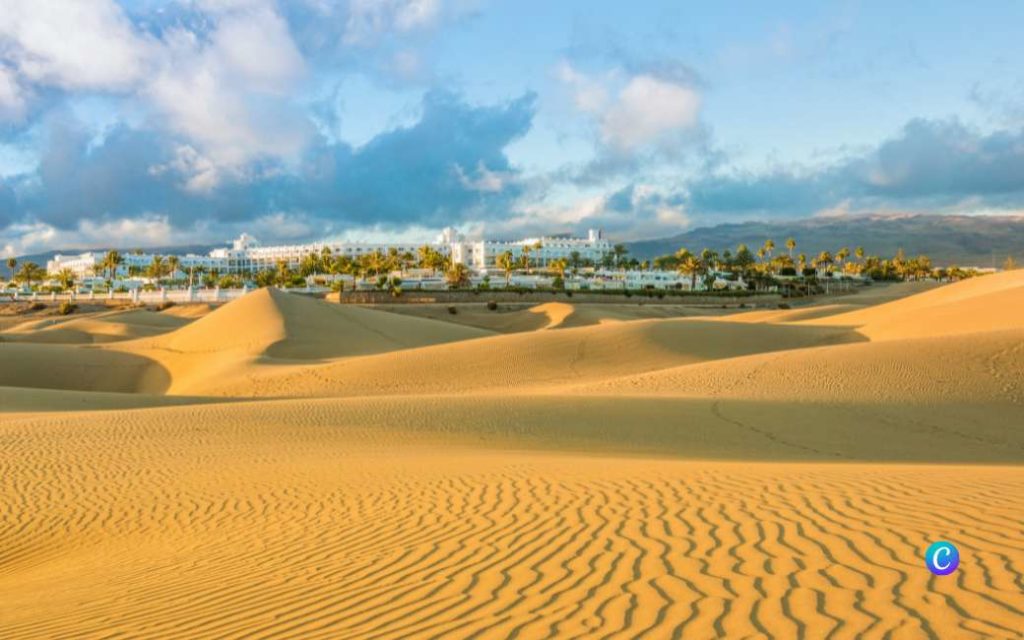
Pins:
x,y
982,241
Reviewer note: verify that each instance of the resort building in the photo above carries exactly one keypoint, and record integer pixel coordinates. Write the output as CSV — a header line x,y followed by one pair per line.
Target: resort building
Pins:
x,y
246,255
482,255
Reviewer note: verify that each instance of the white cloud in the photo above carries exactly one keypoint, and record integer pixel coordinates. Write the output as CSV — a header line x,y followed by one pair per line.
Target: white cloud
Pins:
x,y
230,95
199,173
149,230
634,112
369,19
589,95
484,180
646,110
258,47
228,92
73,44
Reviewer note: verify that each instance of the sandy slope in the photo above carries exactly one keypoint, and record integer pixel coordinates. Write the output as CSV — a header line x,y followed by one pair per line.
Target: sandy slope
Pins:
x,y
109,326
541,361
281,325
990,303
516,318
144,523
617,476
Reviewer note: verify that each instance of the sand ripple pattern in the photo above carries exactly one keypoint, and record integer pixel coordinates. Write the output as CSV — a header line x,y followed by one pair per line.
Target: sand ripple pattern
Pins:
x,y
192,531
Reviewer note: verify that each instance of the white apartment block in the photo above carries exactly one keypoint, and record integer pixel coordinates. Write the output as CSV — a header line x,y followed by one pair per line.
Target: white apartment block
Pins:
x,y
482,255
246,255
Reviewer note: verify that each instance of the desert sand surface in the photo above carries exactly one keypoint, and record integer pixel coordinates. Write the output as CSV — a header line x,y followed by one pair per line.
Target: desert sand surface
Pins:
x,y
518,317
282,467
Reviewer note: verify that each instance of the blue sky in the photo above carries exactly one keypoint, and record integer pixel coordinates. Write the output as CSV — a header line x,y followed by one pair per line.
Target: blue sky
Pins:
x,y
145,123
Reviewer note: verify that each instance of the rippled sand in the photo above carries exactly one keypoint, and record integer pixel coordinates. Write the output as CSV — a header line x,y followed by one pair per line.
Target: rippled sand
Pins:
x,y
774,474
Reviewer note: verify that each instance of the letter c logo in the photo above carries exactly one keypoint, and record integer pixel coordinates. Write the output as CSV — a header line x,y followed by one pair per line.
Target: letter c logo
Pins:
x,y
942,558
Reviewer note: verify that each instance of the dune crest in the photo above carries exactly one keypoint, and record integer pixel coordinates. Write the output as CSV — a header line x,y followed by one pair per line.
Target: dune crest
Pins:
x,y
292,326
990,303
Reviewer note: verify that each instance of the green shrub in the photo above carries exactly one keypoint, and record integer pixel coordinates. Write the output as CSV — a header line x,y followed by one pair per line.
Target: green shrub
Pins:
x,y
453,310
492,305
36,306
66,308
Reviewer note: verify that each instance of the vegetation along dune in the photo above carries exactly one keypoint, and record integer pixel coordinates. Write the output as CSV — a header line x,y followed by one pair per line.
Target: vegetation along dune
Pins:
x,y
285,467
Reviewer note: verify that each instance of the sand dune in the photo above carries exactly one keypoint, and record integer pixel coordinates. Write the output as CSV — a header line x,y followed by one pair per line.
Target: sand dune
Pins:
x,y
990,303
78,368
546,472
143,524
290,326
985,367
20,402
110,326
541,360
516,318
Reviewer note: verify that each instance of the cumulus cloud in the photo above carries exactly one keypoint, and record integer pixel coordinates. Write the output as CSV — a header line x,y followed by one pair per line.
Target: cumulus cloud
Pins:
x,y
369,19
80,44
640,211
418,173
228,93
638,111
647,110
448,167
226,86
929,164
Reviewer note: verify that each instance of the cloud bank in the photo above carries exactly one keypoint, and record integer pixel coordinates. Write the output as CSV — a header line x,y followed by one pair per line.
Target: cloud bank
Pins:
x,y
154,123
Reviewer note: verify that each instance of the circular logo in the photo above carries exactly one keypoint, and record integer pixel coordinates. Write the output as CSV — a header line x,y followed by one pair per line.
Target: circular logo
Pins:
x,y
942,558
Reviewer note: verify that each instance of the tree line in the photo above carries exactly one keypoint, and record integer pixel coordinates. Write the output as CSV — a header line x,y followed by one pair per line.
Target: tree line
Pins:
x,y
759,267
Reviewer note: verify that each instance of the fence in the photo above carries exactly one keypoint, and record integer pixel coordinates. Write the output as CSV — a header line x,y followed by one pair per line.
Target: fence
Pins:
x,y
135,296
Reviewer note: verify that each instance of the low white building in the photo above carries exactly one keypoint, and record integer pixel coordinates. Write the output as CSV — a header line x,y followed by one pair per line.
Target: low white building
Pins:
x,y
482,255
246,255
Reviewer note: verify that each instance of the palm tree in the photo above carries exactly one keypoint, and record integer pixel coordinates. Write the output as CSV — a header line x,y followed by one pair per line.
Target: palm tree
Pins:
x,y
30,272
619,251
507,262
426,257
559,265
457,275
526,257
111,261
574,259
841,255
790,245
284,273
769,247
803,262
156,269
376,262
173,264
537,246
689,264
11,263
66,278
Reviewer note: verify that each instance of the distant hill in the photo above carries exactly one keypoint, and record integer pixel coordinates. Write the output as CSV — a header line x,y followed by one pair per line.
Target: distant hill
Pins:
x,y
198,249
961,240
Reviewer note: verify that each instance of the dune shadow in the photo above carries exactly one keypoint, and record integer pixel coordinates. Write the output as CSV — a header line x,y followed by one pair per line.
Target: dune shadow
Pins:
x,y
74,368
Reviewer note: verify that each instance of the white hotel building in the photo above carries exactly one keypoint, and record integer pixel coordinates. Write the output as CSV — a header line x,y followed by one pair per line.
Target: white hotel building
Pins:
x,y
246,255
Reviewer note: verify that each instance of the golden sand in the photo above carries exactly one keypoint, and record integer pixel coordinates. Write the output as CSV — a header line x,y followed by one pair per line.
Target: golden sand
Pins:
x,y
282,467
